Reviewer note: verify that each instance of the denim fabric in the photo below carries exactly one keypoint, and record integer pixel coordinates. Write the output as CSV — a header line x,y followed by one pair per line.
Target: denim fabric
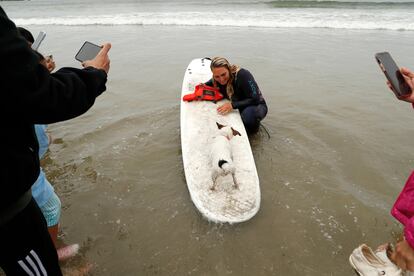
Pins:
x,y
42,190
42,138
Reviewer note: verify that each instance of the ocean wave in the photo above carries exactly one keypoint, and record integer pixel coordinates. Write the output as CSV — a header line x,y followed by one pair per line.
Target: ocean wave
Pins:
x,y
340,4
333,20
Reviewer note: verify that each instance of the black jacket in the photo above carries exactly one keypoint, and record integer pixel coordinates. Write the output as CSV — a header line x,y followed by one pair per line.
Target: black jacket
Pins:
x,y
30,95
246,90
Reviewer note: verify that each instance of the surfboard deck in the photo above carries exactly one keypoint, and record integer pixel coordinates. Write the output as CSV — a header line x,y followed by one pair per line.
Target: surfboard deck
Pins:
x,y
225,204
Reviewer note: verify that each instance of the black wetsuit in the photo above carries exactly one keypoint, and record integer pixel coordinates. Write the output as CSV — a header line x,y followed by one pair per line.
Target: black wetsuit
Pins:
x,y
247,98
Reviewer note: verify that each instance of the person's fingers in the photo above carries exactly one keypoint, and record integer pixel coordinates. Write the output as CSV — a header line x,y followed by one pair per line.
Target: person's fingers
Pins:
x,y
397,259
392,256
409,81
401,254
389,85
407,72
389,251
401,264
105,49
409,267
222,110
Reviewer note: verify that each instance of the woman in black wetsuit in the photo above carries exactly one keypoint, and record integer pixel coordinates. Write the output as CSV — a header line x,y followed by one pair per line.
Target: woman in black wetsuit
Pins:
x,y
238,85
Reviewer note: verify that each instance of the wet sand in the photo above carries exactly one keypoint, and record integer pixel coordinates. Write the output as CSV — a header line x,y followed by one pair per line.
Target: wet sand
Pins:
x,y
339,152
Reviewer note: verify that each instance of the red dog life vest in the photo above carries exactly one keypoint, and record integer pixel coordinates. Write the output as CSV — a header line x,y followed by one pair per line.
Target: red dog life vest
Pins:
x,y
204,92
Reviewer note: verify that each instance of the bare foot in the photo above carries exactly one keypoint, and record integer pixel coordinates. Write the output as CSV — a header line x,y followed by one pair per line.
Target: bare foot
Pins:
x,y
68,251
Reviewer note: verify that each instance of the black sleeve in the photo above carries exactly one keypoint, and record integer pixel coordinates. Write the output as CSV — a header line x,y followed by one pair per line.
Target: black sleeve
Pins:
x,y
249,90
30,92
209,83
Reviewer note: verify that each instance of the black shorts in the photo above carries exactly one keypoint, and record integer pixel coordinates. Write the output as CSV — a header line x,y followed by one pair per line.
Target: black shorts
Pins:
x,y
25,245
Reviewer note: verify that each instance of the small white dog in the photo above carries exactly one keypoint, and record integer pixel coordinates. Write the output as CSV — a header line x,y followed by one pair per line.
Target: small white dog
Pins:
x,y
221,154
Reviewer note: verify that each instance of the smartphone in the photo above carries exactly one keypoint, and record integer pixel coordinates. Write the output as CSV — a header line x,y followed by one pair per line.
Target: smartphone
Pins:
x,y
38,40
88,51
393,74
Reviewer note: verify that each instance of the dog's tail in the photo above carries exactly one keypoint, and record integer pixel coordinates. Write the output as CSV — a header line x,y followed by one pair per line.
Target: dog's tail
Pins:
x,y
225,165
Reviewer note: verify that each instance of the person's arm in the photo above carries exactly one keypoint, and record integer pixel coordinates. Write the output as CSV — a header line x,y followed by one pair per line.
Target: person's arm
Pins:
x,y
30,92
249,88
60,96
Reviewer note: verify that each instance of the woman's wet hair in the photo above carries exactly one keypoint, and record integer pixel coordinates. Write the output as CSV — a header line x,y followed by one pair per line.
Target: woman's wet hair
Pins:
x,y
217,62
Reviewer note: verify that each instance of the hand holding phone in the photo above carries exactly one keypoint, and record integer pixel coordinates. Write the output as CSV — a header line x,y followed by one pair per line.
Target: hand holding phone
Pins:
x,y
88,51
100,60
409,78
396,80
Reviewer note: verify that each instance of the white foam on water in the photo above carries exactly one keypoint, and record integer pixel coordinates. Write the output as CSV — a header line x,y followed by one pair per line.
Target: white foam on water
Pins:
x,y
363,19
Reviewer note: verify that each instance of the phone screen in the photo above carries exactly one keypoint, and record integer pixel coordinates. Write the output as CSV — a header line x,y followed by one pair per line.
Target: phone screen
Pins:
x,y
88,51
393,74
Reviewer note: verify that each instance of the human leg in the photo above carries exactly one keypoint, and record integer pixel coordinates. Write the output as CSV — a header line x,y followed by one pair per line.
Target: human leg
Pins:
x,y
252,115
53,232
67,251
51,211
26,246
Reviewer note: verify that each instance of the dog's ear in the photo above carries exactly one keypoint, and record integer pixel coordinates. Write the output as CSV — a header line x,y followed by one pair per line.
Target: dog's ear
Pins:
x,y
220,126
235,132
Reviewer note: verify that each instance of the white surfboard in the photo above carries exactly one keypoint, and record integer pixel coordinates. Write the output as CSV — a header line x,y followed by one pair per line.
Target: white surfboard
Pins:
x,y
198,127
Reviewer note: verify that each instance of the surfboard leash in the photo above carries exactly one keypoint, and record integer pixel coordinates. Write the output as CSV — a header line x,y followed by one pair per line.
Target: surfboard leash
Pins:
x,y
268,134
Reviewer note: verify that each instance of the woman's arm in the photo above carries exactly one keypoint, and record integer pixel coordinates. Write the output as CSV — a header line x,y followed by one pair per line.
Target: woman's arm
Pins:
x,y
249,89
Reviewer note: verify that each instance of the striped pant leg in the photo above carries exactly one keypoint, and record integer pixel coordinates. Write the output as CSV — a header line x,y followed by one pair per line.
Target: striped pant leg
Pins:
x,y
26,247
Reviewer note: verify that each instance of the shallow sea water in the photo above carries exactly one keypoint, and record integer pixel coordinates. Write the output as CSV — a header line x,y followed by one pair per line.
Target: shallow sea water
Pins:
x,y
338,155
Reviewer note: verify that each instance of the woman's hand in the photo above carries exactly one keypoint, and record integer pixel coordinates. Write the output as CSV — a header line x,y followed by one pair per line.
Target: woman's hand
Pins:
x,y
225,108
403,256
409,79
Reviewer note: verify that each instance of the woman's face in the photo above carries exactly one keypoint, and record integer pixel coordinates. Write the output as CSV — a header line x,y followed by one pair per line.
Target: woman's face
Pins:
x,y
221,75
